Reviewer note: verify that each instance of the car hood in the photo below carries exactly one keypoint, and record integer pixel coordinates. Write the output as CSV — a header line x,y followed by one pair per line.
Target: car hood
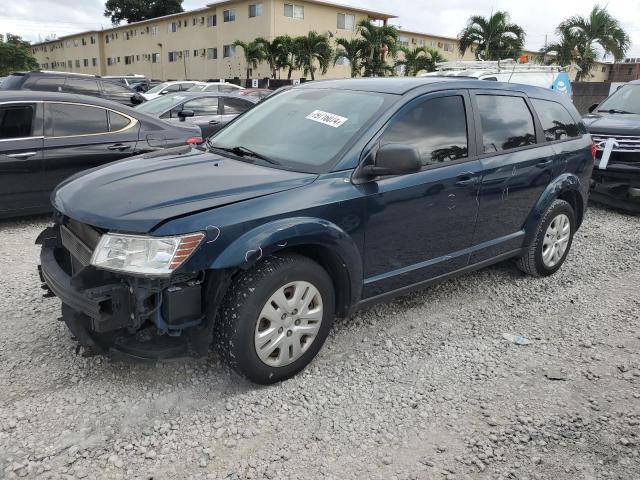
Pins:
x,y
613,124
136,194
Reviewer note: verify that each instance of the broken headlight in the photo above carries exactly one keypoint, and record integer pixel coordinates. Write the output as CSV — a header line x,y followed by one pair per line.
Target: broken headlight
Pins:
x,y
144,255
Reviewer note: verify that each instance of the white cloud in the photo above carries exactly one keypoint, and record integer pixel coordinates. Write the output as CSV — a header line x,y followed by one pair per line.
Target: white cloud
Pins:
x,y
35,19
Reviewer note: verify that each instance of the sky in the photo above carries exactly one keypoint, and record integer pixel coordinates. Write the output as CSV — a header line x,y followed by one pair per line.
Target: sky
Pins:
x,y
36,19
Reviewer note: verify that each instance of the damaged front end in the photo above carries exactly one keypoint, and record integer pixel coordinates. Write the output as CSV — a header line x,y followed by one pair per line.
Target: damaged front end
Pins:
x,y
125,316
616,178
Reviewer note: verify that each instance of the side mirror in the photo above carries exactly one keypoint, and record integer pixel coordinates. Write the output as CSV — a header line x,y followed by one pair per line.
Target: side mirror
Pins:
x,y
137,99
163,92
394,159
183,114
593,107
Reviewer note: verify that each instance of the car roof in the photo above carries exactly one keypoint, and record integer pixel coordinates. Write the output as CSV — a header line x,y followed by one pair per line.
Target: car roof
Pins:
x,y
188,93
173,82
221,83
42,96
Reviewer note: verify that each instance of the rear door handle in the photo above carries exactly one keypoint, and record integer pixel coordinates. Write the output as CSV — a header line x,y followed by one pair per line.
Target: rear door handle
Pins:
x,y
466,179
119,147
544,163
22,155
214,122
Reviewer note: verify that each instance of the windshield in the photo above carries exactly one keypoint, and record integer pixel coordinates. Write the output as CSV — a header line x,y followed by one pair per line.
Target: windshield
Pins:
x,y
303,129
625,99
161,104
157,88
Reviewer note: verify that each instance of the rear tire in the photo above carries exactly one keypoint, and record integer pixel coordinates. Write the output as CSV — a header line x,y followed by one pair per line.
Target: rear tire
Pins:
x,y
552,242
275,318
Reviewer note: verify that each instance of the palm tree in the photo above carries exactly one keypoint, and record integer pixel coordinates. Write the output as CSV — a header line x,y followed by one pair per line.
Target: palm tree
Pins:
x,y
287,58
274,52
495,37
311,49
352,51
563,52
418,59
253,54
600,29
379,41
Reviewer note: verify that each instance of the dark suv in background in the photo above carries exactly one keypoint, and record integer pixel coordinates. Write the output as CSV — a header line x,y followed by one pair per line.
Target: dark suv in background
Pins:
x,y
73,83
319,200
615,128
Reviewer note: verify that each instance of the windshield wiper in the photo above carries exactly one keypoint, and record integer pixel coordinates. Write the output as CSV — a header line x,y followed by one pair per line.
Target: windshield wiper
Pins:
x,y
615,110
244,152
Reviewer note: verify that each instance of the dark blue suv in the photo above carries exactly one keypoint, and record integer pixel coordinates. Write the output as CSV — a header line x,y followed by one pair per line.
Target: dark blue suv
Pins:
x,y
322,199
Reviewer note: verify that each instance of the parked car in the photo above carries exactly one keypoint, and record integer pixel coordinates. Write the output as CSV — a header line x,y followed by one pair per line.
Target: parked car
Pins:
x,y
320,200
127,80
615,128
2,80
214,87
144,85
46,137
72,83
257,93
169,87
208,111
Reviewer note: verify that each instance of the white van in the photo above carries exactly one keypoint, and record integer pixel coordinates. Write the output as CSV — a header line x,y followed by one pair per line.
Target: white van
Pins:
x,y
509,71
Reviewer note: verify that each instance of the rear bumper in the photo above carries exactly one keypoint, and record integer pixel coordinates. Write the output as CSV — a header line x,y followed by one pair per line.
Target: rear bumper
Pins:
x,y
617,186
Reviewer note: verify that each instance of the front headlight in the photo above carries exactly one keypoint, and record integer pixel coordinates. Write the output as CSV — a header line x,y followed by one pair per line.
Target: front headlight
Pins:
x,y
144,255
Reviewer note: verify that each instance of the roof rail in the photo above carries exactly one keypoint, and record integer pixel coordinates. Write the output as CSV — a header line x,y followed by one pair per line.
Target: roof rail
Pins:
x,y
57,72
507,65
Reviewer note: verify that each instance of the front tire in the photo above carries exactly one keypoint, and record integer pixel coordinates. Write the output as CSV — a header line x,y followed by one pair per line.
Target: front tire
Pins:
x,y
552,241
275,318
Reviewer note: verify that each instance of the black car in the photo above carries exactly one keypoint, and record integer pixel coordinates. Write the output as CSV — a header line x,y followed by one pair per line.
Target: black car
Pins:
x,y
47,137
615,128
316,202
144,85
51,81
209,111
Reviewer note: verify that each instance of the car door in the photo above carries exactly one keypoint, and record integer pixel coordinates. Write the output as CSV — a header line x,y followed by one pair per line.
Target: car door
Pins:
x,y
21,171
206,114
421,225
516,168
232,107
81,136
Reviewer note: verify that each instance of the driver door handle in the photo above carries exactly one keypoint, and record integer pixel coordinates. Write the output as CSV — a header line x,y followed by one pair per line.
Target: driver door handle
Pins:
x,y
466,179
22,155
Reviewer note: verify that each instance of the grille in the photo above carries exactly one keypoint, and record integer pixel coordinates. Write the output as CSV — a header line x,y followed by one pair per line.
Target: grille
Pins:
x,y
76,247
625,143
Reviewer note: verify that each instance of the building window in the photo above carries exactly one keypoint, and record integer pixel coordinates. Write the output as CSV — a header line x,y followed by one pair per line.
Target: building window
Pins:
x,y
212,21
128,60
172,27
293,11
155,58
84,41
93,40
94,62
154,30
604,69
110,61
403,41
448,47
86,62
212,53
107,39
230,15
346,21
255,10
77,63
229,51
173,56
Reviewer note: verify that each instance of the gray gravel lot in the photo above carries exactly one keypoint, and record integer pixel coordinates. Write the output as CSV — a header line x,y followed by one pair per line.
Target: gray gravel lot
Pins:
x,y
423,387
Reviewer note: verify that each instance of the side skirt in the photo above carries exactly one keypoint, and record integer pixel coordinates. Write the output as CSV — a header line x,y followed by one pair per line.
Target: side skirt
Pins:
x,y
420,285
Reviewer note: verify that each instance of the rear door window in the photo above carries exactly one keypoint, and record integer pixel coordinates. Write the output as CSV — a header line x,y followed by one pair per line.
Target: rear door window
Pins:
x,y
228,89
82,87
202,106
506,122
437,128
556,121
16,121
236,106
45,84
66,120
186,86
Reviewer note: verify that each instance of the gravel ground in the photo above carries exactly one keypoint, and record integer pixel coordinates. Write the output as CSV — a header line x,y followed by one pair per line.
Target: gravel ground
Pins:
x,y
423,387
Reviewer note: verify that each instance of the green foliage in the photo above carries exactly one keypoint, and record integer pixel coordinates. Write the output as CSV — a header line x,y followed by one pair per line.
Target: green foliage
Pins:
x,y
417,60
254,54
353,51
137,10
276,52
496,37
380,42
313,52
15,55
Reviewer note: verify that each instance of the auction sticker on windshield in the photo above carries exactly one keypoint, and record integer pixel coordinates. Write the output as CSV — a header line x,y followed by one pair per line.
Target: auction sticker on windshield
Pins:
x,y
327,118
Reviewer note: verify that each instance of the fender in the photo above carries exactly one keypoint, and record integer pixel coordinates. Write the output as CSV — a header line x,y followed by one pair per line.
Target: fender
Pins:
x,y
286,233
561,184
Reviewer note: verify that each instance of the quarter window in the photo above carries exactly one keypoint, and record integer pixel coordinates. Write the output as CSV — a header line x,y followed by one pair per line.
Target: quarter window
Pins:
x,y
506,123
294,11
556,121
117,122
230,15
16,121
437,128
70,120
235,106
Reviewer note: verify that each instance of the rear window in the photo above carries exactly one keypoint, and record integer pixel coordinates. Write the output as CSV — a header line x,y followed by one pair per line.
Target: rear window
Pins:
x,y
556,121
72,120
506,123
16,121
12,82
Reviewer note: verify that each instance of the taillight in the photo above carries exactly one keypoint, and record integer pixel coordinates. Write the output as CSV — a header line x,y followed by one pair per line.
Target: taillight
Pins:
x,y
594,150
194,140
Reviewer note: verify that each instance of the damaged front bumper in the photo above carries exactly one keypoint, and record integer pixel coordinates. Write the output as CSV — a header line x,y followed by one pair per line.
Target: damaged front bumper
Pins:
x,y
125,317
617,186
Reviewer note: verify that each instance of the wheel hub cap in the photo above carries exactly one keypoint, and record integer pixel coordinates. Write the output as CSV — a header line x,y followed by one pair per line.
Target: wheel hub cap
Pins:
x,y
556,240
288,324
